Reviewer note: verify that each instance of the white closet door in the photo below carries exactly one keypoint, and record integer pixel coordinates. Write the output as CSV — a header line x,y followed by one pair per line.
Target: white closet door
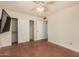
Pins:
x,y
39,29
45,29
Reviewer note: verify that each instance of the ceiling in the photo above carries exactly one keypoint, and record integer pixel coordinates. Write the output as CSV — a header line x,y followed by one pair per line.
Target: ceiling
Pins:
x,y
27,6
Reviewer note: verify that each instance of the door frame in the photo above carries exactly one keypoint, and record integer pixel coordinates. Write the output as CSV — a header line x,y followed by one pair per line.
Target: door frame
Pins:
x,y
32,40
17,30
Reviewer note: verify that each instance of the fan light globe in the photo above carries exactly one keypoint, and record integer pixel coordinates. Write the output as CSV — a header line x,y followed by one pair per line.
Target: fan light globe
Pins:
x,y
40,9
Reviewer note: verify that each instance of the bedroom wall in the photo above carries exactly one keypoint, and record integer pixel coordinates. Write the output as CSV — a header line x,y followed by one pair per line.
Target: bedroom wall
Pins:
x,y
63,28
23,28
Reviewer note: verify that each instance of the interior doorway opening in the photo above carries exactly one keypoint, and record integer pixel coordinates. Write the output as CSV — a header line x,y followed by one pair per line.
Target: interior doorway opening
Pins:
x,y
31,30
42,30
14,31
45,30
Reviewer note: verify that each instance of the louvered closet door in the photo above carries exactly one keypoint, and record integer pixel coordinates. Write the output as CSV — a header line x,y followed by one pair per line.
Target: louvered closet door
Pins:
x,y
14,30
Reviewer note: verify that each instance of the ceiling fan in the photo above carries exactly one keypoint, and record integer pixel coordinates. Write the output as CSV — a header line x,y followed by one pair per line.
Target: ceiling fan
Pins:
x,y
42,5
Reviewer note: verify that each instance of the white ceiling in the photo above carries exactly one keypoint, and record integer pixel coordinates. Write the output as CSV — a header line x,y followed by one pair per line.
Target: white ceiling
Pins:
x,y
27,6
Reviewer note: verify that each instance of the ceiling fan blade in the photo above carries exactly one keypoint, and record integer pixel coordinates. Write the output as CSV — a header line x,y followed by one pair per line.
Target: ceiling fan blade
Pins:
x,y
45,9
50,2
33,8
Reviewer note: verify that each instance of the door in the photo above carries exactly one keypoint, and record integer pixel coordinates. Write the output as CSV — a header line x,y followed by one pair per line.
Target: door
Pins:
x,y
39,29
31,30
14,30
45,30
42,30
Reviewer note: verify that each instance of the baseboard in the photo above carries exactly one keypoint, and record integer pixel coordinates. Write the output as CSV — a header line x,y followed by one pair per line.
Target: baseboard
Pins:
x,y
42,40
31,40
64,47
14,43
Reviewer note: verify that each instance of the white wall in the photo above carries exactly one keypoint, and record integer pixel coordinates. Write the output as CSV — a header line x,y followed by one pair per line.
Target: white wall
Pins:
x,y
5,39
23,28
63,28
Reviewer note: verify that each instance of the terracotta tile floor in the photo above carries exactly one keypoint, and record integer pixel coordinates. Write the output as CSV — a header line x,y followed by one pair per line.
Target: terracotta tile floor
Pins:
x,y
38,48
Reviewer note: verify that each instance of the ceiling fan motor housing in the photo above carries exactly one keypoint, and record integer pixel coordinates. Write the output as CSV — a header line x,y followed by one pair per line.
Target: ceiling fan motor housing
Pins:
x,y
45,18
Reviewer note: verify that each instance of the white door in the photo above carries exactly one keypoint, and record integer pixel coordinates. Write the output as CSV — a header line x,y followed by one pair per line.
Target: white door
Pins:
x,y
42,30
45,29
39,29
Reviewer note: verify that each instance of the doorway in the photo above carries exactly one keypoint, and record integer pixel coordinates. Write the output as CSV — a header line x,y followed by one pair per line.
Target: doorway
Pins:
x,y
42,30
45,30
31,30
14,31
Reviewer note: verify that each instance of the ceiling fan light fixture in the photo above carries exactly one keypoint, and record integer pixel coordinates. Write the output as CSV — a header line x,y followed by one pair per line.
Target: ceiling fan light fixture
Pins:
x,y
40,9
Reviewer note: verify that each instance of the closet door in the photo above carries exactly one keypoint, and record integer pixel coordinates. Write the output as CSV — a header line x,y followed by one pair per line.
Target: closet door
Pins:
x,y
31,30
39,30
14,30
